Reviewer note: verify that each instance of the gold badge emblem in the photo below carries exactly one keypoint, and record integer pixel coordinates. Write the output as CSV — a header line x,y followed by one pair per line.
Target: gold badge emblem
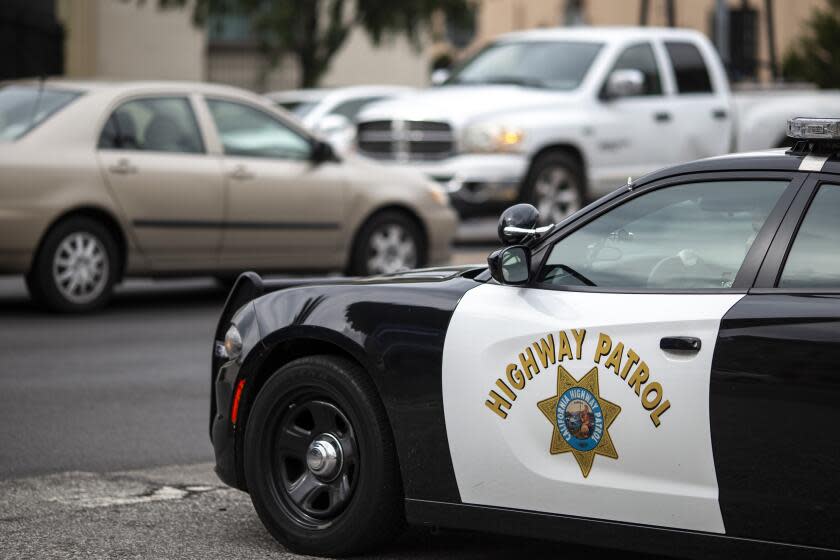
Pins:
x,y
581,419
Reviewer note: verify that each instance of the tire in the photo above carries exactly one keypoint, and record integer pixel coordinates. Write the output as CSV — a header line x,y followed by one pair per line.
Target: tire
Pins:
x,y
555,186
317,399
80,242
389,242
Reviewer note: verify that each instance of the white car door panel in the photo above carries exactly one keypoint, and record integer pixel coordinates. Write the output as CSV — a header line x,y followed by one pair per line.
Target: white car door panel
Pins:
x,y
510,356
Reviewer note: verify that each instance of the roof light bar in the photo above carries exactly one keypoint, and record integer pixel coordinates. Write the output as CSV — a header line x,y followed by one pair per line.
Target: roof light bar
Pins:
x,y
807,128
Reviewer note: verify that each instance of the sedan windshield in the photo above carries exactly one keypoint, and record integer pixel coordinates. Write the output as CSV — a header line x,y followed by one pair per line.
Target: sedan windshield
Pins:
x,y
559,65
22,108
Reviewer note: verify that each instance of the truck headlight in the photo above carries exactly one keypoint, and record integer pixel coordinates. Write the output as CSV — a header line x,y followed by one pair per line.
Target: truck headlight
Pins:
x,y
489,138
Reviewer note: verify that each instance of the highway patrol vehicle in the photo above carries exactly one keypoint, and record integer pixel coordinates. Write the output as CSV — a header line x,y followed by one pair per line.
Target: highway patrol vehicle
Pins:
x,y
658,372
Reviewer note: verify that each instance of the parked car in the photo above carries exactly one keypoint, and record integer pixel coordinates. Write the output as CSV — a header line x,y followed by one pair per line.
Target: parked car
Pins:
x,y
99,181
555,117
331,112
622,379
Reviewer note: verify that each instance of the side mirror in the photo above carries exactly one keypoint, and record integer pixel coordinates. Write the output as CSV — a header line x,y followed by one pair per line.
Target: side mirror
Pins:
x,y
333,124
322,152
511,265
624,83
439,76
518,223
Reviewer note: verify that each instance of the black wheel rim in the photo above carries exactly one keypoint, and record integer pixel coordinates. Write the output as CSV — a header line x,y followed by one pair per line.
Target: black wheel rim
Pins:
x,y
310,422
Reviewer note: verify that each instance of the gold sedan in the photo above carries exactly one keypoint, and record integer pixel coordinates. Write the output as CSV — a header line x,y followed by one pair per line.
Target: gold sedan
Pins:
x,y
99,181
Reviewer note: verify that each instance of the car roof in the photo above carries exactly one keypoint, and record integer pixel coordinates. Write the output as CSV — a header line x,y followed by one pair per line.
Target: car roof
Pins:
x,y
127,86
768,160
601,34
318,94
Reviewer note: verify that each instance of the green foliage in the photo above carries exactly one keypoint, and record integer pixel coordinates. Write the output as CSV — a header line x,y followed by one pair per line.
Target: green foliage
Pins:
x,y
816,58
312,31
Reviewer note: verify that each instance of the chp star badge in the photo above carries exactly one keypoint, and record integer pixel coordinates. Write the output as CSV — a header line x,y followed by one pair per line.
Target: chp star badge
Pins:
x,y
581,419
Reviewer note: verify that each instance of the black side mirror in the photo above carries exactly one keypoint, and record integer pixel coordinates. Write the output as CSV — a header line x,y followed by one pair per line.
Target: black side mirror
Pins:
x,y
519,223
322,152
511,265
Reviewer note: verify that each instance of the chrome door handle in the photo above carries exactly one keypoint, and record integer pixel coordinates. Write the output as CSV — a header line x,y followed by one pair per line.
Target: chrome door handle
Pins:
x,y
680,343
123,167
241,173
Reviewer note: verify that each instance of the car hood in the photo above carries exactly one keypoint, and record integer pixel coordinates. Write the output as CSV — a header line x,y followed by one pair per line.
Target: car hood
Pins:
x,y
460,104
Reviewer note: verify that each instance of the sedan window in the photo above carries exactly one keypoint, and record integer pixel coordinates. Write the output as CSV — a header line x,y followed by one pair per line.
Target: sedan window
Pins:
x,y
691,236
246,131
813,261
156,124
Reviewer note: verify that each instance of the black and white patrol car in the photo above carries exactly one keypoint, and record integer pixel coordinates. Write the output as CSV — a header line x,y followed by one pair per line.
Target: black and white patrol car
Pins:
x,y
659,372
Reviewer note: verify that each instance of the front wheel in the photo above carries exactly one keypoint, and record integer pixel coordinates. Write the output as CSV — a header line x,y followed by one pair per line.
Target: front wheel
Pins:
x,y
555,186
75,268
320,462
389,242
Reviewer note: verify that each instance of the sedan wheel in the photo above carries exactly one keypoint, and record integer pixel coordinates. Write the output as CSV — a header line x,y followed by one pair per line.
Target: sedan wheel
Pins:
x,y
80,268
391,249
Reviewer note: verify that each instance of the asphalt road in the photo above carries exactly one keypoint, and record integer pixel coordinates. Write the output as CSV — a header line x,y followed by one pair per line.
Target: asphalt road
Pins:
x,y
104,450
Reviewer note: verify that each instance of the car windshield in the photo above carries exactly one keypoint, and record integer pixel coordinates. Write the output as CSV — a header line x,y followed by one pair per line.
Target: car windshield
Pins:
x,y
559,65
22,108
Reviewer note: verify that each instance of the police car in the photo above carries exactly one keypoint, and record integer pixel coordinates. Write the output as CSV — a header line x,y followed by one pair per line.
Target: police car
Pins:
x,y
658,372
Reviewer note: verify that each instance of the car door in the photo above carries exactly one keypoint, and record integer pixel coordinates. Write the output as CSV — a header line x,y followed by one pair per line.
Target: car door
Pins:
x,y
586,392
153,157
701,105
284,210
776,387
637,134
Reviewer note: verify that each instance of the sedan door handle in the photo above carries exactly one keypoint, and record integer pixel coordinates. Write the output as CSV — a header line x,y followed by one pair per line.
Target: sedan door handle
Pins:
x,y
241,173
680,343
719,114
123,167
662,116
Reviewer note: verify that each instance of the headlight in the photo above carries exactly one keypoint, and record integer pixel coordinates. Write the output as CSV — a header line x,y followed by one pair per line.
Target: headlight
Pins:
x,y
492,138
233,343
438,194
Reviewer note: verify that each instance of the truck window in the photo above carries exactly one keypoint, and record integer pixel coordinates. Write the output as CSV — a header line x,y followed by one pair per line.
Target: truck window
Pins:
x,y
640,57
689,68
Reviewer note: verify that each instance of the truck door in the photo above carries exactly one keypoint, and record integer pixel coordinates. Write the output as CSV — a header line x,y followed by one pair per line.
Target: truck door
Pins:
x,y
586,393
700,105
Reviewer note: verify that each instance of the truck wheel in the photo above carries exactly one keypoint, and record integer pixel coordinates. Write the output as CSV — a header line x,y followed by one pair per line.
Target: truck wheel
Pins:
x,y
555,186
389,242
75,268
320,463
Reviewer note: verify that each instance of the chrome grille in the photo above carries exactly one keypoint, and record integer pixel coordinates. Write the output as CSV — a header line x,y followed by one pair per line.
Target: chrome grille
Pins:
x,y
406,140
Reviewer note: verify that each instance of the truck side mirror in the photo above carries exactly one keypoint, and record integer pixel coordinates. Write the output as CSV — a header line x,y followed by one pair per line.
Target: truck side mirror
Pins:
x,y
511,266
624,83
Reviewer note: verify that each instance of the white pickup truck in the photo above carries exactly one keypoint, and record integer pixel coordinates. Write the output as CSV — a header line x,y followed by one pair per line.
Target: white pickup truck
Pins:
x,y
557,116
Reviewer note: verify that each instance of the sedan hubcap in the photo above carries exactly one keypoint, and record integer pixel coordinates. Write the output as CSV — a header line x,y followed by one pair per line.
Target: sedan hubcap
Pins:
x,y
80,267
324,456
557,194
391,249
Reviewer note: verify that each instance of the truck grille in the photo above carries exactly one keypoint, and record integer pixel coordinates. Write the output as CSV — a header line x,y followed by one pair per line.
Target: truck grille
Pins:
x,y
406,140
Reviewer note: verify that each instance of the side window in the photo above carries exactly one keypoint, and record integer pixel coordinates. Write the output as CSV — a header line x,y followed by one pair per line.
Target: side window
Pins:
x,y
157,124
689,68
691,236
813,261
640,57
246,131
349,109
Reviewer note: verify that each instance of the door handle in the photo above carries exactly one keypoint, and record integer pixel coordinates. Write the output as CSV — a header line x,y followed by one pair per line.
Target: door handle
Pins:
x,y
662,116
680,343
719,114
122,167
241,173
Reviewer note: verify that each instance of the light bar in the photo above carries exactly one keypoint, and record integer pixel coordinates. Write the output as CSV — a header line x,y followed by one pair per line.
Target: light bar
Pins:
x,y
806,128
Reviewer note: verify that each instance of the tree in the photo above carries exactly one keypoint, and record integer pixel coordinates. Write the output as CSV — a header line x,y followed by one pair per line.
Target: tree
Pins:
x,y
816,58
312,31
